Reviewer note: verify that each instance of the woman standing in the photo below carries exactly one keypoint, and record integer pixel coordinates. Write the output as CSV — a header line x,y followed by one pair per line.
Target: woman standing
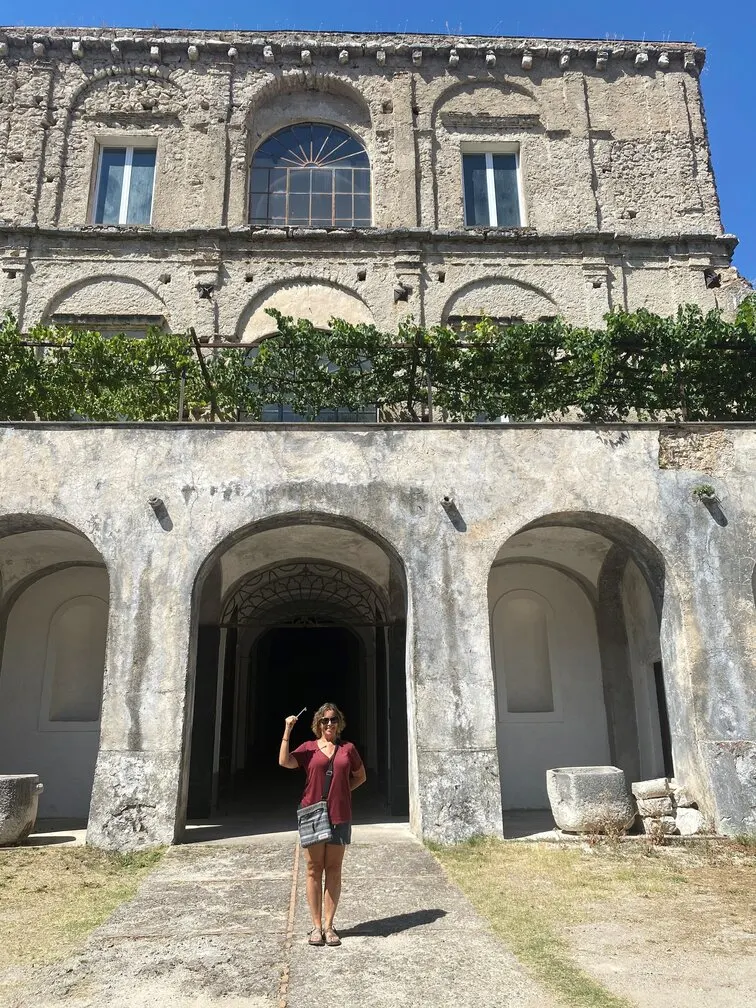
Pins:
x,y
348,773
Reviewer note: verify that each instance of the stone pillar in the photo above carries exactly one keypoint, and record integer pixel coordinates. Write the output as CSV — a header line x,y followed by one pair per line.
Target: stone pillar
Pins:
x,y
137,799
708,639
456,792
405,158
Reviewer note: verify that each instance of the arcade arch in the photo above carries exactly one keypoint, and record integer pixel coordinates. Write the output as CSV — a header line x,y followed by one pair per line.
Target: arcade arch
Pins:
x,y
293,613
575,606
53,627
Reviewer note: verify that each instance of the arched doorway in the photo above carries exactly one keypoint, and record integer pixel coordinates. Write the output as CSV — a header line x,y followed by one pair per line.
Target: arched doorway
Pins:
x,y
575,606
324,623
53,625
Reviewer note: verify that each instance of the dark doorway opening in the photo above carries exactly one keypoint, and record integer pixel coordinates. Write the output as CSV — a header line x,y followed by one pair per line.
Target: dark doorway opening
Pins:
x,y
666,735
293,635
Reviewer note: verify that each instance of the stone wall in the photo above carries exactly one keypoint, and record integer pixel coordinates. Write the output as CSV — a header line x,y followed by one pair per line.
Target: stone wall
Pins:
x,y
220,484
618,198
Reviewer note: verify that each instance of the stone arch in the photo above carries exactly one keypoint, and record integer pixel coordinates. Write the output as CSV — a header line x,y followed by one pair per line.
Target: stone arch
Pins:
x,y
306,80
606,648
104,78
155,97
500,297
313,298
108,294
280,614
49,725
325,584
522,97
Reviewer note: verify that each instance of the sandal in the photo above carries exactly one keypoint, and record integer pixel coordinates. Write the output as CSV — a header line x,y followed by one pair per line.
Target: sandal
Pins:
x,y
331,938
316,937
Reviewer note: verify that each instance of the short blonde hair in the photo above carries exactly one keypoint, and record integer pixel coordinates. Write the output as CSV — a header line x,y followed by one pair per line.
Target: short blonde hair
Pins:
x,y
316,728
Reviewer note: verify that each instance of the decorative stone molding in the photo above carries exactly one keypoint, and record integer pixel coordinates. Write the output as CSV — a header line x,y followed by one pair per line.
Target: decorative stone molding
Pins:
x,y
127,94
193,53
527,60
380,57
641,58
417,57
38,49
489,123
268,54
343,56
155,53
490,59
77,50
564,60
232,53
453,58
663,60
305,57
602,58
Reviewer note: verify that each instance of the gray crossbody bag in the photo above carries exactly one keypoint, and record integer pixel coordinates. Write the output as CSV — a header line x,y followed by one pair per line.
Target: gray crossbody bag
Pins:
x,y
313,821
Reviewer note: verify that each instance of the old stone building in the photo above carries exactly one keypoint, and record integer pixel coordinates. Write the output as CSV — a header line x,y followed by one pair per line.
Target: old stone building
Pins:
x,y
485,601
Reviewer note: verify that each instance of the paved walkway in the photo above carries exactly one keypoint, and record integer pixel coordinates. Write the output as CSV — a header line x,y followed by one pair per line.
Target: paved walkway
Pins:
x,y
224,925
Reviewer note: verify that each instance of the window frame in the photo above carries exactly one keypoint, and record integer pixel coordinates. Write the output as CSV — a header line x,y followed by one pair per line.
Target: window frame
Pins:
x,y
312,122
129,143
490,148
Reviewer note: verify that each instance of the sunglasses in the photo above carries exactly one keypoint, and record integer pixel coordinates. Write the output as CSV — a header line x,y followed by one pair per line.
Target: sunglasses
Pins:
x,y
328,720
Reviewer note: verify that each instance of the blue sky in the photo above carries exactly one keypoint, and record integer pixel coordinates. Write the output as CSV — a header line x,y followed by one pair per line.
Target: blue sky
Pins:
x,y
727,32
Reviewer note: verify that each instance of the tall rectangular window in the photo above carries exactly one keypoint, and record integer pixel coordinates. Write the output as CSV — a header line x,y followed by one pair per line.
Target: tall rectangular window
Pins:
x,y
491,193
125,181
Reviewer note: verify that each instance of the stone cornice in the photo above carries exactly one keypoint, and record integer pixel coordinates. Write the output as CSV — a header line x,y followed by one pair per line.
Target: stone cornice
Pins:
x,y
367,240
306,48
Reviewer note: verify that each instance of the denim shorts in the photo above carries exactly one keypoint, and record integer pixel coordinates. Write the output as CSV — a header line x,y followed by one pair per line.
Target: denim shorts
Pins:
x,y
342,834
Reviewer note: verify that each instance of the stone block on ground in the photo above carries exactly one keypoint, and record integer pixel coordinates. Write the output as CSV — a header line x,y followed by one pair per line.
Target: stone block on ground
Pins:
x,y
683,798
690,822
654,825
19,796
656,807
594,799
657,788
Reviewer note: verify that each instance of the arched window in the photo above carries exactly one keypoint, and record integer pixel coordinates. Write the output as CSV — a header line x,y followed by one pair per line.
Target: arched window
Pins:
x,y
311,175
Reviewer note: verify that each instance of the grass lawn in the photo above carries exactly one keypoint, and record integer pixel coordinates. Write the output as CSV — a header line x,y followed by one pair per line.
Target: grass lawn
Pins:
x,y
52,897
565,909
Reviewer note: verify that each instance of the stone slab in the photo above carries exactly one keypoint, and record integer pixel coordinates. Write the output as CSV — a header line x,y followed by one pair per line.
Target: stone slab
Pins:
x,y
656,788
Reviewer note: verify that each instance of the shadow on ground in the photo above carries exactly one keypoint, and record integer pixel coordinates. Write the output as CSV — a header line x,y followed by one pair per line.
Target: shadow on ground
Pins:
x,y
384,926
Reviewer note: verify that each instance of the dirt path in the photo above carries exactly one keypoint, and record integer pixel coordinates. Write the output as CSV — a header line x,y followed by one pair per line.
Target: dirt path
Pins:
x,y
216,925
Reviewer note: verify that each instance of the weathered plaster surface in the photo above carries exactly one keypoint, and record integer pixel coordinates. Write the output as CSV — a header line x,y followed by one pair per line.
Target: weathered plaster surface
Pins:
x,y
98,479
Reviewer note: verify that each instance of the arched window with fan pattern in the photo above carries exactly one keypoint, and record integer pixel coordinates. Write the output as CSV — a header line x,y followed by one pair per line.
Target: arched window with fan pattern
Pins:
x,y
311,175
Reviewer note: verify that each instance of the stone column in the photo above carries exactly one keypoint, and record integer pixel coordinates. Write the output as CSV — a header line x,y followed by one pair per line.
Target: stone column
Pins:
x,y
708,638
456,792
139,777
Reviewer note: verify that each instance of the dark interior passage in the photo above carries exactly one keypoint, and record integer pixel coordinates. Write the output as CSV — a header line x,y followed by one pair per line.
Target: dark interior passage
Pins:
x,y
300,667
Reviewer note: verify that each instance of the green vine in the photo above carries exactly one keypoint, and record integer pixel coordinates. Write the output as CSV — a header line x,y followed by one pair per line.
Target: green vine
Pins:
x,y
641,366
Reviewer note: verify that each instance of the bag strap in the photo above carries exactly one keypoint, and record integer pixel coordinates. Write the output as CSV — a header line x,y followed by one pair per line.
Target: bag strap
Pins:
x,y
329,774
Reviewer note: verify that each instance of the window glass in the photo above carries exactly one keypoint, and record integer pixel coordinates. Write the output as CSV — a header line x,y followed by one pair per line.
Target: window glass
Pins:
x,y
110,186
140,192
124,185
321,173
490,187
505,187
476,190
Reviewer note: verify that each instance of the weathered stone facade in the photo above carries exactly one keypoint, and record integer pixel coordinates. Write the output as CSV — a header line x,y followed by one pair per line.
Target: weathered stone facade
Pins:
x,y
617,195
500,599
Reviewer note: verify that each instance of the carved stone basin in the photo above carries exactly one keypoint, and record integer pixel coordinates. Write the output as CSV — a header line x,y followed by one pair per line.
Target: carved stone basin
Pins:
x,y
591,799
19,795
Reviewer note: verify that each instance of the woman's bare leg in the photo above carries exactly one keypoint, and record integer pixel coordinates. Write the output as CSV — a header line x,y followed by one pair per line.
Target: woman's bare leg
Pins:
x,y
315,857
334,856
